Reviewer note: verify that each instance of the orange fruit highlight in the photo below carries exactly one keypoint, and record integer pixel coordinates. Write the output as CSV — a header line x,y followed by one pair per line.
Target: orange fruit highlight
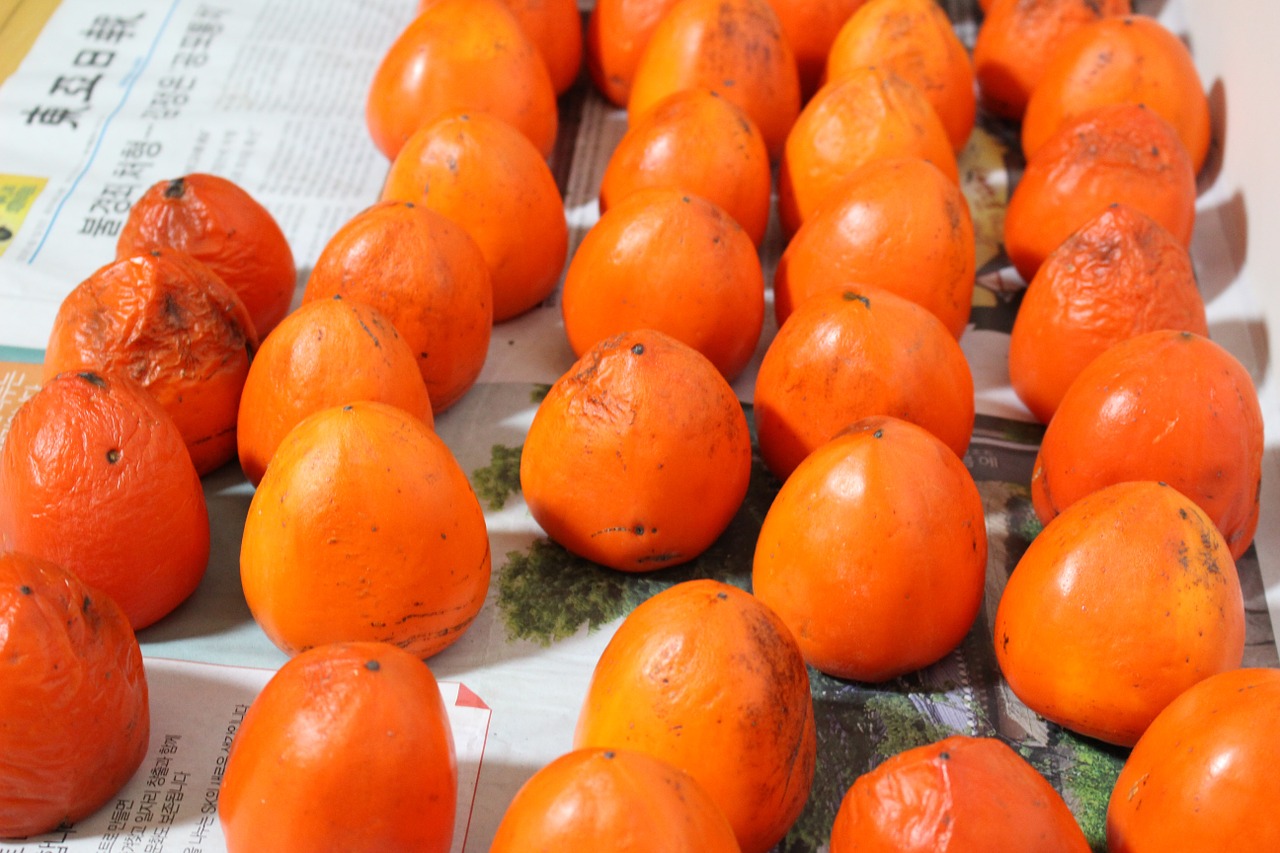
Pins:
x,y
76,712
348,747
94,476
703,675
364,528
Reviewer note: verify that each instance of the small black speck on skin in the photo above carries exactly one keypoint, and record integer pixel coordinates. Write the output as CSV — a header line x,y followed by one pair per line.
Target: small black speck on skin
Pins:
x,y
24,589
113,455
637,349
372,665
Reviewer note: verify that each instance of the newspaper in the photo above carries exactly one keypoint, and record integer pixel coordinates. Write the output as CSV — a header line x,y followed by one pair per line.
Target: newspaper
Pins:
x,y
258,110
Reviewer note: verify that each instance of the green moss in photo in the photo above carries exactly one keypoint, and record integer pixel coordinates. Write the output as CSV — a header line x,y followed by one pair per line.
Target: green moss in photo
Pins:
x,y
500,479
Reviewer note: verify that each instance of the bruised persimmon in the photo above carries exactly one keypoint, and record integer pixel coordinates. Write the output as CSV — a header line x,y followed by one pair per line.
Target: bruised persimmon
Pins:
x,y
639,456
671,262
364,528
698,142
461,56
733,47
326,353
905,590
477,171
1120,275
613,799
348,747
94,476
1125,599
916,40
810,27
426,275
705,676
899,224
846,355
868,114
961,794
168,322
217,222
617,33
1121,153
76,709
1164,405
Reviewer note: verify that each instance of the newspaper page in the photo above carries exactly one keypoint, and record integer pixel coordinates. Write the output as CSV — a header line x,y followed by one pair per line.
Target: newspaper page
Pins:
x,y
549,614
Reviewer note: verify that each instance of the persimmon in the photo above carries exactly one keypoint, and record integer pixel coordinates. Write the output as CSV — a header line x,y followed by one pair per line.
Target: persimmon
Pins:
x,y
168,322
1120,275
348,747
639,456
868,114
364,528
1131,59
1016,40
672,262
94,476
850,354
617,33
477,171
427,276
327,353
810,26
1124,600
461,56
899,224
733,47
217,222
696,141
613,799
705,676
916,40
905,590
77,713
1164,405
1202,776
961,794
1120,153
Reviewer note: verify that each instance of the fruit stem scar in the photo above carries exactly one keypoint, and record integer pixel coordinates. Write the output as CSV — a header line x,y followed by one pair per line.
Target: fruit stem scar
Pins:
x,y
175,189
113,455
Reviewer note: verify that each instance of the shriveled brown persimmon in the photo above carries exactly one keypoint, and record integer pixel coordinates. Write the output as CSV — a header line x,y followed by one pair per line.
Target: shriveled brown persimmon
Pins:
x,y
672,262
477,171
1120,275
617,33
733,47
899,224
850,354
698,142
705,676
1163,405
639,456
77,714
217,222
1122,153
425,274
168,322
94,476
869,114
962,794
916,40
461,56
1123,601
326,353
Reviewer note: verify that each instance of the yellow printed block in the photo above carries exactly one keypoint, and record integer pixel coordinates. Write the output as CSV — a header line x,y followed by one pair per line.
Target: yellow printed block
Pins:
x,y
18,194
17,383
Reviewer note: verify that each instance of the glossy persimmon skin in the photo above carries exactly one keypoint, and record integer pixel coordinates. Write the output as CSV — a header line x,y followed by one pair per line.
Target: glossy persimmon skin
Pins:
x,y
961,794
595,799
1119,153
1165,405
898,224
1123,601
617,33
217,222
1202,776
348,747
74,695
1120,275
705,676
425,274
459,56
905,590
94,476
